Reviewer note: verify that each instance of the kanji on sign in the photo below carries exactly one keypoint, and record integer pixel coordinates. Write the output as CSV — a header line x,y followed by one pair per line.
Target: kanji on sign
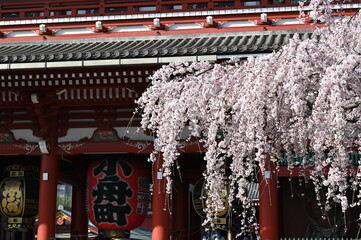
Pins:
x,y
117,194
111,213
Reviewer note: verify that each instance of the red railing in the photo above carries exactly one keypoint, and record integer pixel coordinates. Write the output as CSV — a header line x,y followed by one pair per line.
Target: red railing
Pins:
x,y
75,8
20,9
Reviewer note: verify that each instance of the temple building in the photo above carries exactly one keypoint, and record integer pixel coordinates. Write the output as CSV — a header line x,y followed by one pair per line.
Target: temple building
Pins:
x,y
70,72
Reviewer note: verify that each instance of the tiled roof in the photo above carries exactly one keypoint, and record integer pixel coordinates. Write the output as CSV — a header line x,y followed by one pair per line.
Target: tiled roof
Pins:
x,y
142,47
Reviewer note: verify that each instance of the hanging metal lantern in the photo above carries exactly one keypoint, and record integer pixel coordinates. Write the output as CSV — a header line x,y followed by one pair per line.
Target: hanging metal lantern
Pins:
x,y
19,198
118,194
200,197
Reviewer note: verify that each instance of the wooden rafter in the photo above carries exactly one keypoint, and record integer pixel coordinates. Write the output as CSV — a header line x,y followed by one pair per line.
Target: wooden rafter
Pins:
x,y
79,97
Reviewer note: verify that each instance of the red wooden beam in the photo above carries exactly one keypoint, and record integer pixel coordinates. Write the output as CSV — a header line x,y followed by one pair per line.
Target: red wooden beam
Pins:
x,y
90,147
300,171
19,149
135,147
70,8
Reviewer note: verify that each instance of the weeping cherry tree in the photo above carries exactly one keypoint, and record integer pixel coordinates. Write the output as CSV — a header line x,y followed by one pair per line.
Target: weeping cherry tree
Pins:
x,y
303,98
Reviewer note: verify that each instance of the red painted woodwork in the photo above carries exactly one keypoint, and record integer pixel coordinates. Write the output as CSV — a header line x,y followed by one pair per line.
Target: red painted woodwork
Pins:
x,y
74,148
118,193
139,147
19,148
83,99
80,8
23,10
75,87
160,204
154,33
180,211
69,8
79,223
48,189
268,204
32,117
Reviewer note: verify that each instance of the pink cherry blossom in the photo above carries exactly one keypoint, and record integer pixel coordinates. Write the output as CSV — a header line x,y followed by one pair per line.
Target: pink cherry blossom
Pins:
x,y
304,98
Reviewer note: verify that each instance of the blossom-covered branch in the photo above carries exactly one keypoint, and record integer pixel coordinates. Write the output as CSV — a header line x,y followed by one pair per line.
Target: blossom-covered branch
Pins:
x,y
304,98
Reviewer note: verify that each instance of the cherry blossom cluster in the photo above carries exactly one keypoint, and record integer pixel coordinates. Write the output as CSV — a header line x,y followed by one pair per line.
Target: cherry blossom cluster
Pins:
x,y
304,98
322,11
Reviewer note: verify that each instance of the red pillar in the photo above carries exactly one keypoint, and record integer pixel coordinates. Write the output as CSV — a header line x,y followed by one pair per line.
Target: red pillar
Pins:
x,y
268,203
160,207
180,212
48,188
79,218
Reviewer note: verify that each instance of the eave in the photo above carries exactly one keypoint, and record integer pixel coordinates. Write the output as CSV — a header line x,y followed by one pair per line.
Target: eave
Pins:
x,y
141,50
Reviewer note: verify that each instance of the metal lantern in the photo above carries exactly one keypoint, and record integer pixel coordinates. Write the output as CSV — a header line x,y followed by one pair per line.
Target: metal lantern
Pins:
x,y
118,194
19,199
19,196
200,197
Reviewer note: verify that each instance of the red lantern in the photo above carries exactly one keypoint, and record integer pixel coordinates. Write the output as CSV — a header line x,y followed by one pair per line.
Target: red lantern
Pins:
x,y
118,194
